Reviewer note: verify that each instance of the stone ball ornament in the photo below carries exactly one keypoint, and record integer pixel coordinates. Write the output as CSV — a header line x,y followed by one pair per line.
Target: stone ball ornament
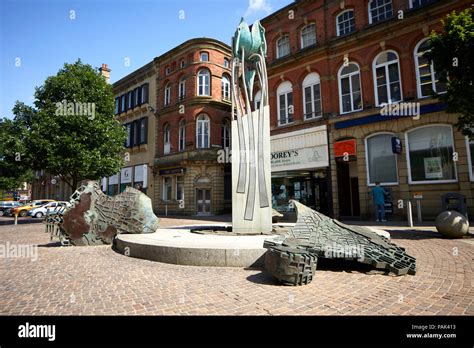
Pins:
x,y
452,224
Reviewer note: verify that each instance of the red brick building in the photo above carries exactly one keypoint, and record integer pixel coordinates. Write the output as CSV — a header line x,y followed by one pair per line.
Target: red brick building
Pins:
x,y
333,65
192,125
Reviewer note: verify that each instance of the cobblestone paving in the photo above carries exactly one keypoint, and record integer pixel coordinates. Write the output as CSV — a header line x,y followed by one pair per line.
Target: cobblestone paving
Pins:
x,y
96,280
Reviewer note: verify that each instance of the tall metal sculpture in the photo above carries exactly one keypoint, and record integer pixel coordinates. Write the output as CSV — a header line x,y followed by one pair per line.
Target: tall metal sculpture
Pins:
x,y
251,212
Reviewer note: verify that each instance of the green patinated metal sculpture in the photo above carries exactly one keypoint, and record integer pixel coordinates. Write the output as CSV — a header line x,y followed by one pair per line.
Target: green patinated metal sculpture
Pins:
x,y
249,68
293,258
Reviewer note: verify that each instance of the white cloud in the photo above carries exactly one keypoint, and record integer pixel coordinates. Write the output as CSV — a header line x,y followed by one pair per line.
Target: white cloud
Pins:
x,y
257,6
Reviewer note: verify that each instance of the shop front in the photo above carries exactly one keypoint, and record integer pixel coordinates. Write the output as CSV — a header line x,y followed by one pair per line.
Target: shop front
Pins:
x,y
299,162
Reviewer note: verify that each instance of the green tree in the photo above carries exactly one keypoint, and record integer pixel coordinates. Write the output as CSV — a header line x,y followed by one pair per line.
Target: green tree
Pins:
x,y
72,131
13,169
452,52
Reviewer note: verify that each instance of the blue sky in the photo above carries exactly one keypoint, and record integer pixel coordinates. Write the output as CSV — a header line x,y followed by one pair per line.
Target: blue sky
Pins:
x,y
41,35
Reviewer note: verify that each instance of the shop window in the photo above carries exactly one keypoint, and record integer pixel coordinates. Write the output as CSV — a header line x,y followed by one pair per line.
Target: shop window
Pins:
x,y
311,96
426,77
350,98
345,23
285,103
182,135
430,154
202,132
381,161
308,35
387,78
380,10
225,88
204,79
179,188
167,188
283,46
166,140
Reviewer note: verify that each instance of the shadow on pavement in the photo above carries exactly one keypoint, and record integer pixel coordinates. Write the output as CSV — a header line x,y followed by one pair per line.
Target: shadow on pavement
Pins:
x,y
50,245
420,234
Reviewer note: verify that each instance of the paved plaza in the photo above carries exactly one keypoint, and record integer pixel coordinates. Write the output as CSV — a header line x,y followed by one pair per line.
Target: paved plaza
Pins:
x,y
96,280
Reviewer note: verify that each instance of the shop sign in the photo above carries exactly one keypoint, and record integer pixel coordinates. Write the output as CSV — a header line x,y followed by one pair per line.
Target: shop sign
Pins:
x,y
173,171
396,145
113,180
344,148
308,157
126,175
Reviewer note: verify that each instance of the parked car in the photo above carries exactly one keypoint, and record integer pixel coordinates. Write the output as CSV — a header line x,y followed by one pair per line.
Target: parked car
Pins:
x,y
6,205
23,210
48,209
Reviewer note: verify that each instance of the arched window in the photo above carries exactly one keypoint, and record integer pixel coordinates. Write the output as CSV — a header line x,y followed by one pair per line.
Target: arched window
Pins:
x,y
345,22
379,10
225,88
182,135
308,35
166,139
350,97
312,96
430,154
204,82
426,76
380,159
257,99
182,89
167,94
283,46
225,134
285,103
202,132
387,78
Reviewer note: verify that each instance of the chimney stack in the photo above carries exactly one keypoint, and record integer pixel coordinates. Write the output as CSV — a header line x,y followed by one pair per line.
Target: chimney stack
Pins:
x,y
105,71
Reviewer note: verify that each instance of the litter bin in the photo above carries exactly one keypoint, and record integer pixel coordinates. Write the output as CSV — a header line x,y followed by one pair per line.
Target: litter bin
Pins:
x,y
454,201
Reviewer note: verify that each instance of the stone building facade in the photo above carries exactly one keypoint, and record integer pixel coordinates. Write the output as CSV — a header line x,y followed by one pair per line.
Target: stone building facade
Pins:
x,y
193,127
135,107
336,64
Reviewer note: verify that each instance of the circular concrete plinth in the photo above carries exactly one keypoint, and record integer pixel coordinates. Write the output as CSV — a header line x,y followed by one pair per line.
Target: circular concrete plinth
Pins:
x,y
182,247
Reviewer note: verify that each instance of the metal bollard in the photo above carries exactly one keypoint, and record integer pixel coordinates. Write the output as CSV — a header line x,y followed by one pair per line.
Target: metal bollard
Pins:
x,y
166,209
418,211
16,218
409,214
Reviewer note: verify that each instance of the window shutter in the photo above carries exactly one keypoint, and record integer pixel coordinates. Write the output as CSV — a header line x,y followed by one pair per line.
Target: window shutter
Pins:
x,y
137,132
146,93
145,120
139,95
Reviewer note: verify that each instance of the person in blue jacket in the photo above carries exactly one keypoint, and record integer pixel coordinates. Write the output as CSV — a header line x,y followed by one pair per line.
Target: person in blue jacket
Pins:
x,y
379,194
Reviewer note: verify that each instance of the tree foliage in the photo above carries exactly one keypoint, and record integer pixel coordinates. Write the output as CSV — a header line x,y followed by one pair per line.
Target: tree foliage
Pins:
x,y
452,52
72,132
